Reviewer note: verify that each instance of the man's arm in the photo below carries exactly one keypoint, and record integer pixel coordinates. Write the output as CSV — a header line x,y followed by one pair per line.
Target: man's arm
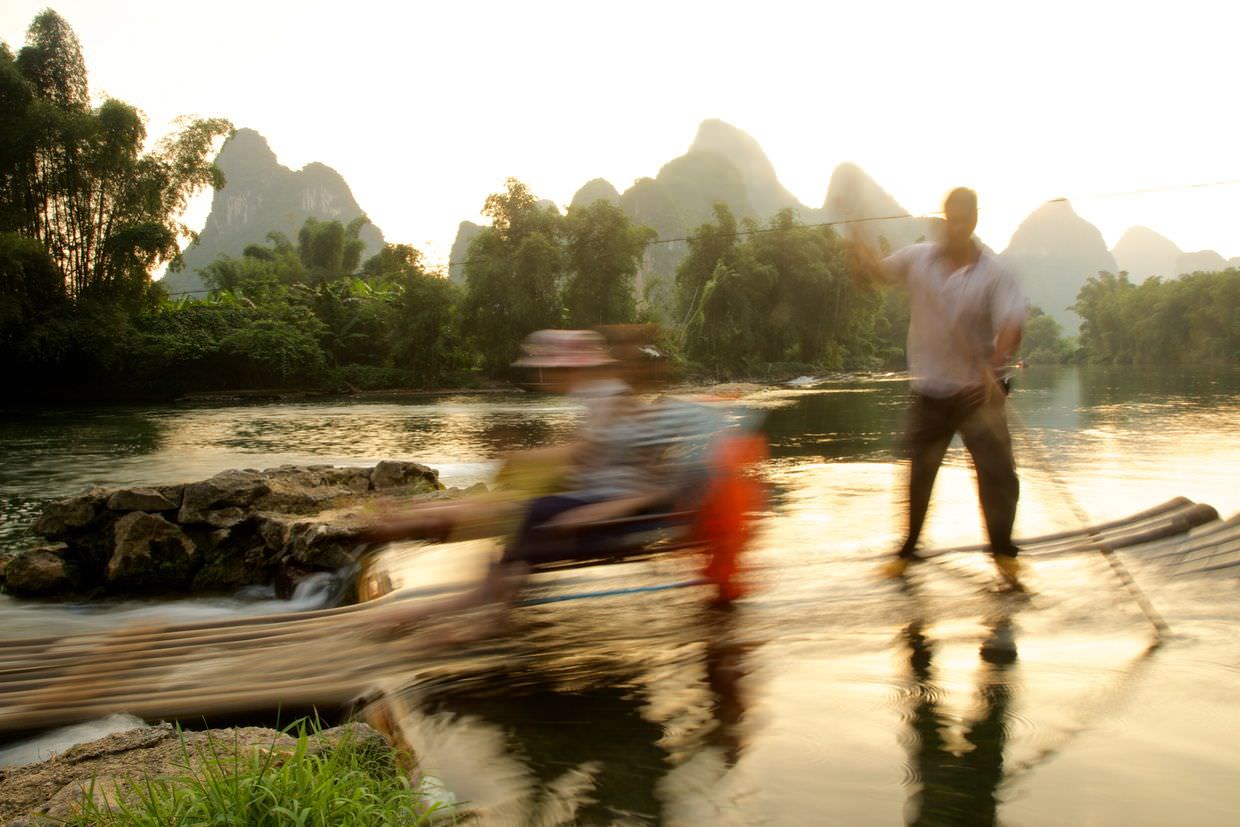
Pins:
x,y
868,266
1006,344
1008,317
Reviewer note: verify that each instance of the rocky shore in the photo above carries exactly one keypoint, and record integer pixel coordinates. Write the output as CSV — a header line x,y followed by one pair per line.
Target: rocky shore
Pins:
x,y
238,528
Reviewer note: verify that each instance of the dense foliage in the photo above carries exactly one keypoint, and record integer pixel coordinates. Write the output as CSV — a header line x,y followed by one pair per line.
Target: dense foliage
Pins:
x,y
1194,319
752,297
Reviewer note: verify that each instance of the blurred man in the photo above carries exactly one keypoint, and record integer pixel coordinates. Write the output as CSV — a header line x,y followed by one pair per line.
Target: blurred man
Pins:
x,y
966,320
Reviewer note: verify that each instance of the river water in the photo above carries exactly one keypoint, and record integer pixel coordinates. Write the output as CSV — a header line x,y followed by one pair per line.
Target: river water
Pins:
x,y
827,697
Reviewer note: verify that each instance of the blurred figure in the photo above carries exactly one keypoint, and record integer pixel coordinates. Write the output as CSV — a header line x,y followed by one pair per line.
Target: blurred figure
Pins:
x,y
573,362
966,321
634,466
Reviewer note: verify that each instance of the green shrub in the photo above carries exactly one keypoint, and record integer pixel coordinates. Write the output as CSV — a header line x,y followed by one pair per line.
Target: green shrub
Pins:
x,y
348,784
369,377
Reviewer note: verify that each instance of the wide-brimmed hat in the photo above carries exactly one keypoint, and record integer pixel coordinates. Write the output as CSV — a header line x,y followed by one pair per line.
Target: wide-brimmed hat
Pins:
x,y
564,349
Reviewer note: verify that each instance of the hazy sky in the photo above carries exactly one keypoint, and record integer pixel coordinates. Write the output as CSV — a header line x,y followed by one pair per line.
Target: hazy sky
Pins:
x,y
425,108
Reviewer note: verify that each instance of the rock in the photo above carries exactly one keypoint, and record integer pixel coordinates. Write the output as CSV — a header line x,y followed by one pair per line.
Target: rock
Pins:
x,y
61,518
227,489
324,546
227,572
356,480
151,553
40,571
224,517
397,474
236,528
172,492
275,530
287,577
356,735
141,499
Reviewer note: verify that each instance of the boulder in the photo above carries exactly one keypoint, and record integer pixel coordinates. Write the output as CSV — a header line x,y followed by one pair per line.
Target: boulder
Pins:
x,y
151,553
64,517
224,517
142,499
398,474
227,489
40,571
237,528
324,545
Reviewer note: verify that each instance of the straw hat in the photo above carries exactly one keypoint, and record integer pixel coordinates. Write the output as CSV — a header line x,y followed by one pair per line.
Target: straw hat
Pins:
x,y
564,349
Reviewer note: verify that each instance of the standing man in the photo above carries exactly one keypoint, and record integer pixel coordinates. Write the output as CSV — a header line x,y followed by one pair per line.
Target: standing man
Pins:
x,y
966,319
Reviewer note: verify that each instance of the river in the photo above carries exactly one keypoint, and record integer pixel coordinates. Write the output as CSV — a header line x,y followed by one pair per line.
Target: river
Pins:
x,y
828,696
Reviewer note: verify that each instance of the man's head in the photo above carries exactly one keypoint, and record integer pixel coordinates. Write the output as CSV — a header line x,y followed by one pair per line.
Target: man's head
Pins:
x,y
960,218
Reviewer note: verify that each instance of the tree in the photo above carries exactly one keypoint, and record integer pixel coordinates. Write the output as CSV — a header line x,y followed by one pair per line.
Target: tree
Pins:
x,y
603,253
424,338
78,181
1043,342
512,273
330,250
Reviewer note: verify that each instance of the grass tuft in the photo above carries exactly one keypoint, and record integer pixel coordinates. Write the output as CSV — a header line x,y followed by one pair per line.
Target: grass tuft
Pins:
x,y
347,784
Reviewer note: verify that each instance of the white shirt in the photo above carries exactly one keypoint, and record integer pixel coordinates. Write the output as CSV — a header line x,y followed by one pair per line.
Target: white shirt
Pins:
x,y
954,316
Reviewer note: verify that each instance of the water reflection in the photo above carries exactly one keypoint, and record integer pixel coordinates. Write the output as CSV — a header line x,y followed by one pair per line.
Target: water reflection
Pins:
x,y
956,765
549,741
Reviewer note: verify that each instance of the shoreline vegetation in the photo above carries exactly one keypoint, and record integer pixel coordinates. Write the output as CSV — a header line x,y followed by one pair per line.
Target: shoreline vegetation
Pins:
x,y
159,775
87,215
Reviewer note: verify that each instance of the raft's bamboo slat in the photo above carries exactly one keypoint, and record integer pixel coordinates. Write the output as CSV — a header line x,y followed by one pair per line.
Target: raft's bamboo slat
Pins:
x,y
325,658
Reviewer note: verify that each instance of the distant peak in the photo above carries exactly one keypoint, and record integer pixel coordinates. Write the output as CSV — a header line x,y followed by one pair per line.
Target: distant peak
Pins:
x,y
729,141
250,142
596,189
851,189
1142,234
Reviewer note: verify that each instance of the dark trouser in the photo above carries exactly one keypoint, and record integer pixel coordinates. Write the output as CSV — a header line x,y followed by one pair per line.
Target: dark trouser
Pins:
x,y
534,543
983,426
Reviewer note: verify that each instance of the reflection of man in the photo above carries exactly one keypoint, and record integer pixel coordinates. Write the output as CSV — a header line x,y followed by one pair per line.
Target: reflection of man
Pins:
x,y
966,317
959,777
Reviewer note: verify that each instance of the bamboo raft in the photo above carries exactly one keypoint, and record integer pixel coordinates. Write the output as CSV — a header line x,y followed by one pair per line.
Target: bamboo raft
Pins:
x,y
326,659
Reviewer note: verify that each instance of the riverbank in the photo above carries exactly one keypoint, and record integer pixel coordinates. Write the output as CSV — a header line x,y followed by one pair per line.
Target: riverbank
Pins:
x,y
243,775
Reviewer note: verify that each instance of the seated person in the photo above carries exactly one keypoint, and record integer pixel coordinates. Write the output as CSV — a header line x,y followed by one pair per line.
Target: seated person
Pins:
x,y
631,459
573,362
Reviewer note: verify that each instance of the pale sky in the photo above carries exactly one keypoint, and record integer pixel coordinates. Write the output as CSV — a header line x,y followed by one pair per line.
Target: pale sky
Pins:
x,y
425,108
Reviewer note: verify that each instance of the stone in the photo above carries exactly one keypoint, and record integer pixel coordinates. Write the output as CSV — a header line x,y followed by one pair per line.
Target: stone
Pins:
x,y
151,553
399,474
355,734
238,527
141,499
276,531
39,571
226,572
172,492
224,517
64,517
227,489
323,545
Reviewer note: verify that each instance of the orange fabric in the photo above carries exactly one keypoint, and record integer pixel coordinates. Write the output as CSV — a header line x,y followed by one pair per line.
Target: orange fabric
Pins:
x,y
723,523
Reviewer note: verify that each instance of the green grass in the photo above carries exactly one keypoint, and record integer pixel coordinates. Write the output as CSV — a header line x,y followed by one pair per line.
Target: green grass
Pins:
x,y
350,784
